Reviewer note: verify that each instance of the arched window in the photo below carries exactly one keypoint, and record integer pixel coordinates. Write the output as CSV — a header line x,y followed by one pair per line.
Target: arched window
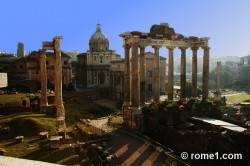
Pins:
x,y
100,59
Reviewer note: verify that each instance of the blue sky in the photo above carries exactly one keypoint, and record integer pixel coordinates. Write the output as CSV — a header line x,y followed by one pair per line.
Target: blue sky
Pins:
x,y
226,22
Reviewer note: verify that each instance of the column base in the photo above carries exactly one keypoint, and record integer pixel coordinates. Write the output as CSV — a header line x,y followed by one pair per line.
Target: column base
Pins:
x,y
133,117
62,133
61,126
194,98
126,104
43,108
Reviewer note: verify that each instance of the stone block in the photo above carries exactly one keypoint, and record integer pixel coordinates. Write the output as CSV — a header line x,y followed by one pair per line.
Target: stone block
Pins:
x,y
19,139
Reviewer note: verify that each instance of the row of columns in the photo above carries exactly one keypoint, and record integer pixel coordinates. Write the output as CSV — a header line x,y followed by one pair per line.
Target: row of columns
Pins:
x,y
139,88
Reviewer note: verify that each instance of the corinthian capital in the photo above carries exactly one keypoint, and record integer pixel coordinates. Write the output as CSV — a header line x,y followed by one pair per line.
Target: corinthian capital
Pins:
x,y
56,41
156,47
194,48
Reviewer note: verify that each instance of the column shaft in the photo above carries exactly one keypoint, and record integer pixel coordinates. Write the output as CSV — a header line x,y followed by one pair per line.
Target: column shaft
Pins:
x,y
194,72
44,100
142,75
170,73
135,97
58,79
183,72
156,83
126,76
205,76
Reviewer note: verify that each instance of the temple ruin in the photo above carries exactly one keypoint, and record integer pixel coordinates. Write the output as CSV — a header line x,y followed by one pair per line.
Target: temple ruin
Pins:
x,y
159,36
60,111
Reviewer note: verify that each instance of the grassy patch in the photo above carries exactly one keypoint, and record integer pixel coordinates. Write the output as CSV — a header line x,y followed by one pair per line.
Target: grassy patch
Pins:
x,y
13,99
36,149
241,98
115,121
81,109
28,124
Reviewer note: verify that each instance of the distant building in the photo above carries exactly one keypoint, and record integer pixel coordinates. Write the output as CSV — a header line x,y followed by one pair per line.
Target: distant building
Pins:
x,y
117,73
235,70
20,50
244,70
117,79
149,59
28,68
93,67
72,54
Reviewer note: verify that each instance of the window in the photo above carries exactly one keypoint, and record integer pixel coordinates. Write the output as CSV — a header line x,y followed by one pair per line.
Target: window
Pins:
x,y
47,62
65,63
36,71
94,58
150,73
150,87
101,59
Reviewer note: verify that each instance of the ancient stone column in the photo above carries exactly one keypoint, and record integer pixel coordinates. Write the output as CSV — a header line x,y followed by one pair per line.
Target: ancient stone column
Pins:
x,y
218,86
126,76
44,100
183,72
135,94
170,73
205,76
60,112
156,80
142,75
194,72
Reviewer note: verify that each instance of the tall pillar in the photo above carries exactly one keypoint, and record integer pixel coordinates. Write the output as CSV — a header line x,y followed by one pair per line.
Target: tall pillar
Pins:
x,y
183,72
170,73
194,72
205,76
60,112
156,83
135,97
44,100
142,75
218,86
126,76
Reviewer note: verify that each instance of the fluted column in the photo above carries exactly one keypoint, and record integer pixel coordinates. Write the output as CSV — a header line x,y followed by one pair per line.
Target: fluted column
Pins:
x,y
194,72
142,75
183,72
126,76
170,72
58,78
156,83
44,100
135,97
205,76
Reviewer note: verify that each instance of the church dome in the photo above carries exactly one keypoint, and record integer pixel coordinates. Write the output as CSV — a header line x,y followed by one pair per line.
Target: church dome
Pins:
x,y
98,41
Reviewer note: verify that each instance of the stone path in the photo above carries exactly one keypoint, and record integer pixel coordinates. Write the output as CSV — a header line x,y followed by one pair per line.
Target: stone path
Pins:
x,y
133,152
5,161
221,123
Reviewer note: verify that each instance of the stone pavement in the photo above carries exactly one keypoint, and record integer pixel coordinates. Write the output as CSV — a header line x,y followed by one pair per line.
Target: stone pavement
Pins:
x,y
6,161
221,123
133,152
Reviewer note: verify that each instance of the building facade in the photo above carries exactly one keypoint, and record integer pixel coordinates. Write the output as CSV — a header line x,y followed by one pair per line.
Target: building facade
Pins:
x,y
93,67
28,68
149,60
